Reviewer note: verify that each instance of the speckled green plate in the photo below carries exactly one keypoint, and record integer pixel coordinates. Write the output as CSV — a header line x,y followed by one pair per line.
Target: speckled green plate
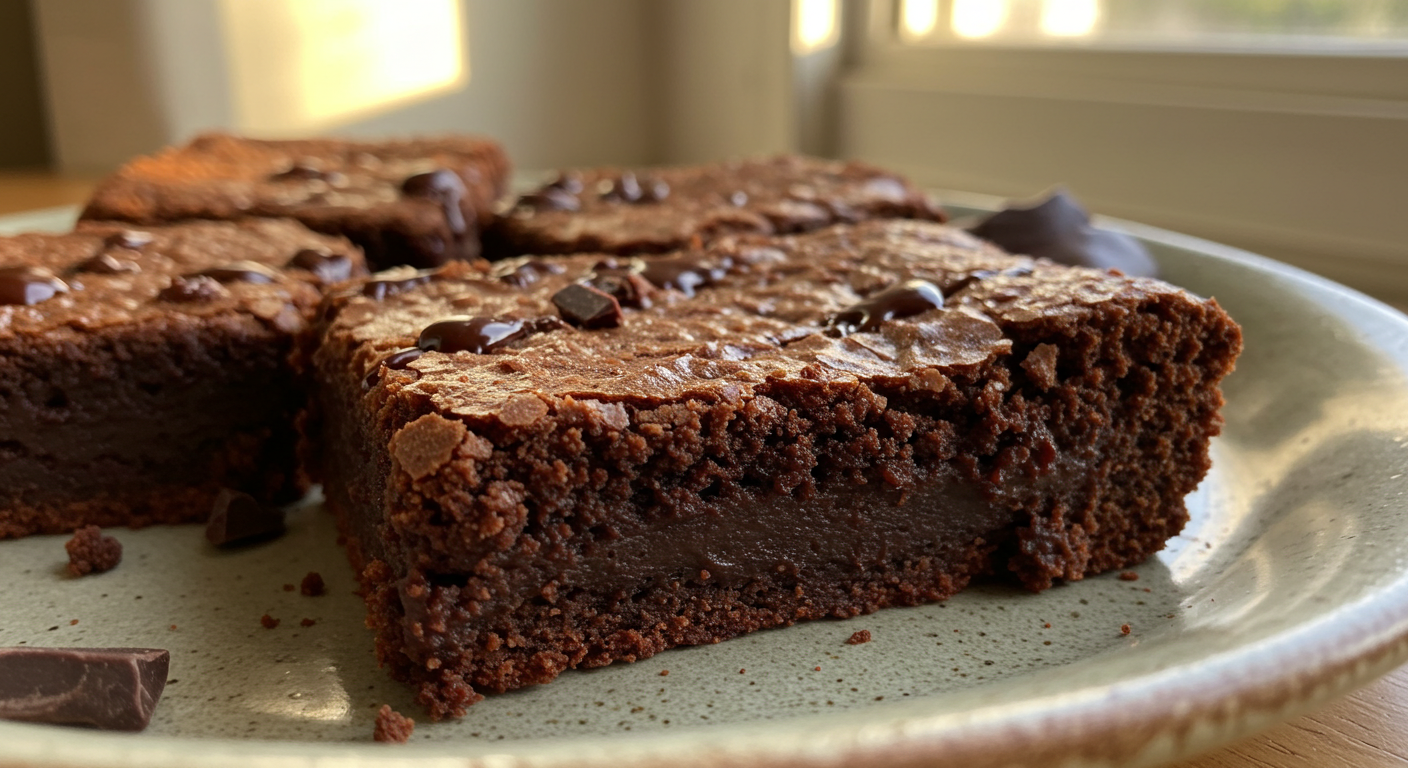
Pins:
x,y
1287,588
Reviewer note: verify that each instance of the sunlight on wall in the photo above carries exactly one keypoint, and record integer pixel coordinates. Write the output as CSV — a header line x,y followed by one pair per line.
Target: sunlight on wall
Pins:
x,y
978,18
1069,18
814,25
299,66
919,17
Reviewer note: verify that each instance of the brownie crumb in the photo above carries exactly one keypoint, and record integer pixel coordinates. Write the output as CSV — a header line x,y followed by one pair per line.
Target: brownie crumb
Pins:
x,y
859,637
307,622
89,551
1047,625
664,673
312,585
289,587
1125,629
268,621
1129,576
73,623
392,727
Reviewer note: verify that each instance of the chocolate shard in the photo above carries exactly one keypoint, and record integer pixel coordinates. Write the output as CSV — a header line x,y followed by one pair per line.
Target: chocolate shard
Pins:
x,y
1058,228
587,307
238,518
109,688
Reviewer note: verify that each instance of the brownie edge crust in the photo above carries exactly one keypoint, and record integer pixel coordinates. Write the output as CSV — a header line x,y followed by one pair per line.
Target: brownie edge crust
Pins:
x,y
752,450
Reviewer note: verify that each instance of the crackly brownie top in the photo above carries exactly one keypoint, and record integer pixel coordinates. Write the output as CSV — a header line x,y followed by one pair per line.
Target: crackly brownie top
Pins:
x,y
222,177
651,211
880,300
106,274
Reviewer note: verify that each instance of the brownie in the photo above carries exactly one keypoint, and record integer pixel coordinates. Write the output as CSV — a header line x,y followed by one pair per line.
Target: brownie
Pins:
x,y
141,371
419,201
613,210
777,429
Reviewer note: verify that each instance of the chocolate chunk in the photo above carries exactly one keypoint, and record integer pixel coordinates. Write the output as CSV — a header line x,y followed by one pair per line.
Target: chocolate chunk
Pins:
x,y
89,551
29,285
551,199
624,188
130,239
312,585
109,688
529,272
305,171
241,272
390,286
1058,228
327,267
908,298
587,307
628,288
567,181
480,335
392,727
107,264
442,186
684,273
238,518
192,289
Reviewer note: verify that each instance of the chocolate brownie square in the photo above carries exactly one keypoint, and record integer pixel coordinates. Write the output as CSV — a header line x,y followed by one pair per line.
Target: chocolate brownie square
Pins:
x,y
773,429
611,210
143,370
420,201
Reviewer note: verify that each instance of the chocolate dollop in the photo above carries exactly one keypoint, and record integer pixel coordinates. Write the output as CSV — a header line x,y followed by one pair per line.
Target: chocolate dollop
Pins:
x,y
1058,228
29,285
904,300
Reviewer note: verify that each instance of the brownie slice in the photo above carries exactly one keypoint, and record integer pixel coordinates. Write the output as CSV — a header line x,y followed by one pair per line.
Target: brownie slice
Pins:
x,y
774,430
141,371
611,210
419,201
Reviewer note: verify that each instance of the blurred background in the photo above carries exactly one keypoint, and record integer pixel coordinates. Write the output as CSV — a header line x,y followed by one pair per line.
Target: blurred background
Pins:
x,y
1277,125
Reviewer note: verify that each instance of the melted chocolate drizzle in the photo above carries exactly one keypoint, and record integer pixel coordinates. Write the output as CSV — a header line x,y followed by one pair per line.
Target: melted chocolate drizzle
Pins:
x,y
904,300
396,361
479,335
29,285
327,267
445,187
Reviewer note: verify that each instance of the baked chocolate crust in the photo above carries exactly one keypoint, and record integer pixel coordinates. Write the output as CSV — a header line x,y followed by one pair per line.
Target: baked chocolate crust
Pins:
x,y
156,369
797,432
614,210
386,197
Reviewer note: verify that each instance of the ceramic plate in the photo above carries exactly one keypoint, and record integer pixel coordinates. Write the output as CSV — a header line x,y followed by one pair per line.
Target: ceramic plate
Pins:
x,y
1286,589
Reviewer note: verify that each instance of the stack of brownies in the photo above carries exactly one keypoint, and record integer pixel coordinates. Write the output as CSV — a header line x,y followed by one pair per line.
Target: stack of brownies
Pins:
x,y
625,411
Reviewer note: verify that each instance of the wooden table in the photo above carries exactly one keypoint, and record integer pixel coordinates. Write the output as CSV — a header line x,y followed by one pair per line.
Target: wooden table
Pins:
x,y
1366,729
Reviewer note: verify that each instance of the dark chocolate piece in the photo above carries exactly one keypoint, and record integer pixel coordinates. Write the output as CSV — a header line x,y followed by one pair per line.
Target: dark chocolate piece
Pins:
x,y
904,300
89,551
1058,228
480,335
241,272
131,239
107,264
192,289
29,285
629,288
587,307
239,518
445,187
327,267
390,286
312,585
109,688
528,272
684,273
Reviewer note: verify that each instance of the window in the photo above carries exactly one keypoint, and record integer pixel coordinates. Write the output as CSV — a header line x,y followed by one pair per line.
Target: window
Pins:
x,y
1261,130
